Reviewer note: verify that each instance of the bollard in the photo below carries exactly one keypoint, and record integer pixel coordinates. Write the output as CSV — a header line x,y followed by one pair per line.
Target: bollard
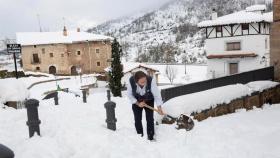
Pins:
x,y
33,121
5,152
55,98
110,113
84,95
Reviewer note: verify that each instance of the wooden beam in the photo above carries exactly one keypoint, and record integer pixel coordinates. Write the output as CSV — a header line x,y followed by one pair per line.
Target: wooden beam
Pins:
x,y
227,30
236,30
253,28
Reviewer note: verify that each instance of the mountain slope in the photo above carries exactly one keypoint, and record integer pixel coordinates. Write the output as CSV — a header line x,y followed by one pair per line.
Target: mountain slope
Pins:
x,y
168,34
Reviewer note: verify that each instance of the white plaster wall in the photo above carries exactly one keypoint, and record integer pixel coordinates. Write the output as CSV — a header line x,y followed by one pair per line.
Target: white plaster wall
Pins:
x,y
250,44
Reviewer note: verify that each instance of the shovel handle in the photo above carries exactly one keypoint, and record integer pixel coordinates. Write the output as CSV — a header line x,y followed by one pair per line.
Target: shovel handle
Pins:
x,y
151,108
156,110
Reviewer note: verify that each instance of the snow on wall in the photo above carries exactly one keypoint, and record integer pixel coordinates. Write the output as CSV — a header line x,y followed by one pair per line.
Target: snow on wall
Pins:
x,y
259,86
196,102
12,90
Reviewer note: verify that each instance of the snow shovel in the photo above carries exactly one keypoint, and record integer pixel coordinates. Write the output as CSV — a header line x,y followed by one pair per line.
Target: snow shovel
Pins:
x,y
183,122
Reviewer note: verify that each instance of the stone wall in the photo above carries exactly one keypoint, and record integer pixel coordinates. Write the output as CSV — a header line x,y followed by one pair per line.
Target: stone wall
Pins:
x,y
257,99
65,56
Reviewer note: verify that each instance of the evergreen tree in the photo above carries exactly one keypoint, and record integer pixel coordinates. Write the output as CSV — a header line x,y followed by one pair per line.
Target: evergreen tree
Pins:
x,y
116,72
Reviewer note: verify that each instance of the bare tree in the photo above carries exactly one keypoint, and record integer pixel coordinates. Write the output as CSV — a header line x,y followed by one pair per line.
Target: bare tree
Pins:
x,y
171,73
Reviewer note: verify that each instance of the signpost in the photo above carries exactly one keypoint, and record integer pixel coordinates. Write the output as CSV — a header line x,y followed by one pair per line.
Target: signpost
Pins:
x,y
14,48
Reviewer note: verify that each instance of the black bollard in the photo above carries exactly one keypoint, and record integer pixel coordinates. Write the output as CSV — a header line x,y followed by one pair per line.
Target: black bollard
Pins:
x,y
33,121
110,113
5,152
84,95
55,98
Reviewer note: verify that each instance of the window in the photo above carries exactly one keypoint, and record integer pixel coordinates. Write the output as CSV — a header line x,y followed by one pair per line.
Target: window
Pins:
x,y
36,59
233,46
51,55
233,68
34,46
265,43
62,55
38,68
43,50
78,52
245,26
97,50
218,28
98,63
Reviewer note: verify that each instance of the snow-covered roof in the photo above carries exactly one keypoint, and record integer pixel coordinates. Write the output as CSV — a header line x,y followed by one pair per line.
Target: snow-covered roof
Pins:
x,y
127,67
240,17
131,66
35,38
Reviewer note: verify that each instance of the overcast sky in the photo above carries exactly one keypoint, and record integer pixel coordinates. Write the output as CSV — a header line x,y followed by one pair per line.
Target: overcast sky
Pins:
x,y
22,15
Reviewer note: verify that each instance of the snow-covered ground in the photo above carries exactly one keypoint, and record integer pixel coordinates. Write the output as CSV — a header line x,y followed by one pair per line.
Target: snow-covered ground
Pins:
x,y
77,130
194,73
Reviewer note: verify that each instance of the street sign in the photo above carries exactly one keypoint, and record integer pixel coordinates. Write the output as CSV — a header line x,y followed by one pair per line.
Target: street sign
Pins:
x,y
14,48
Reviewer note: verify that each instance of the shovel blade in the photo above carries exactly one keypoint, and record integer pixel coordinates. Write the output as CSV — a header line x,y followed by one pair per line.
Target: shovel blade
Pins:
x,y
185,122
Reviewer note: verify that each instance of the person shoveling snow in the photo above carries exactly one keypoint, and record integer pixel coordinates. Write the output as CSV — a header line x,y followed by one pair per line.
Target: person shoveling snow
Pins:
x,y
142,92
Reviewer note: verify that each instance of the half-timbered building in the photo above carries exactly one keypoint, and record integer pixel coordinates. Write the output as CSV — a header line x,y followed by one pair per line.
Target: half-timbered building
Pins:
x,y
237,42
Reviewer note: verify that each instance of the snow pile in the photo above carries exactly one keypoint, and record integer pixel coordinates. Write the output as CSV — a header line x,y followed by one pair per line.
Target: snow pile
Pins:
x,y
196,102
33,38
199,101
244,16
12,90
259,86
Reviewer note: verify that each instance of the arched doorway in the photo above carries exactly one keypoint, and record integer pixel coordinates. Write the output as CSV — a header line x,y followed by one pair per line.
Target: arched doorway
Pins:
x,y
52,70
74,70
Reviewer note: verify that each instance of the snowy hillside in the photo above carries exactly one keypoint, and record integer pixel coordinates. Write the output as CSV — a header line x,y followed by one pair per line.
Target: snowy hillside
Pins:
x,y
172,27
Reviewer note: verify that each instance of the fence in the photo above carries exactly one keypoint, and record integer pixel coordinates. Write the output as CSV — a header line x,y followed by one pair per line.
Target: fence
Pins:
x,y
243,78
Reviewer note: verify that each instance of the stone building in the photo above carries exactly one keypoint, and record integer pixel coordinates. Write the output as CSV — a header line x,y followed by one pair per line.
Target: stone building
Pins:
x,y
275,39
64,52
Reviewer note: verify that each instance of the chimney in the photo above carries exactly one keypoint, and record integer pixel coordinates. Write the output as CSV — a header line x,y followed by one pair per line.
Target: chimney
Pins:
x,y
64,31
78,29
214,14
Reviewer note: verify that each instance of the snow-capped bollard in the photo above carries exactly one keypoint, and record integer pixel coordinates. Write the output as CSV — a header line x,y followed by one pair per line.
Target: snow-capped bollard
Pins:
x,y
110,113
55,98
33,121
5,152
84,95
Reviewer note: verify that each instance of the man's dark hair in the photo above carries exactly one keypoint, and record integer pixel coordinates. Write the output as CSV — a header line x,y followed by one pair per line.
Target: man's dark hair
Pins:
x,y
138,75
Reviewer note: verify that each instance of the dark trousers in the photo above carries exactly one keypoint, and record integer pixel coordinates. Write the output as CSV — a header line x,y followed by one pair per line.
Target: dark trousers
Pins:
x,y
137,111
